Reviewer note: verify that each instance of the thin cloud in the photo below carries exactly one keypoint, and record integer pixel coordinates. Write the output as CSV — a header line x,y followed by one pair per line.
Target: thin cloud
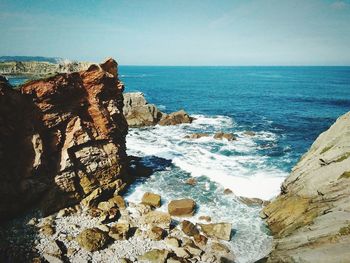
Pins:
x,y
339,5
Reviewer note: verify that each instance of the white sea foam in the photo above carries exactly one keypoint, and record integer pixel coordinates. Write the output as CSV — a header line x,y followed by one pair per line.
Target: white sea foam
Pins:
x,y
236,165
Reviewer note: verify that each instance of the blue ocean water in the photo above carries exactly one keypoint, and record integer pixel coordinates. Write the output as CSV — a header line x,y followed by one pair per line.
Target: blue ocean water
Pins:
x,y
286,108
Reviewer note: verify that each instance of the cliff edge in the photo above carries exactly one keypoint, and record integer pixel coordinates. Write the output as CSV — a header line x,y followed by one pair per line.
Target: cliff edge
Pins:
x,y
310,219
62,139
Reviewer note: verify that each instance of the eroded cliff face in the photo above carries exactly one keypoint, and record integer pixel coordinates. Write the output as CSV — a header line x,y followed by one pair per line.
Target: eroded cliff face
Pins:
x,y
62,138
311,218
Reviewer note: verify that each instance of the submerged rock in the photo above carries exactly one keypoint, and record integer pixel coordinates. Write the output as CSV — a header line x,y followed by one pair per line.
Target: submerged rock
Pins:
x,y
197,135
182,207
227,136
92,239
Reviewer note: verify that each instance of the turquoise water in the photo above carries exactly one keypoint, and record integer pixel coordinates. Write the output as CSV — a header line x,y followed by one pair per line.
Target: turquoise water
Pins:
x,y
286,107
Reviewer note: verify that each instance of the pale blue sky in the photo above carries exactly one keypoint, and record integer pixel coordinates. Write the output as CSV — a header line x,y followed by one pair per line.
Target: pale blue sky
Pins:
x,y
180,32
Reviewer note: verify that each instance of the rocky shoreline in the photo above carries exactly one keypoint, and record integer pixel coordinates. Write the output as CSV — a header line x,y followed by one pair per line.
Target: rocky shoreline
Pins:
x,y
68,133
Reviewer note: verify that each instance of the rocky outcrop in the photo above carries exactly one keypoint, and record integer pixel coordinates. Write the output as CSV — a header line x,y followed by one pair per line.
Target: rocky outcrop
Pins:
x,y
40,68
310,219
63,136
138,112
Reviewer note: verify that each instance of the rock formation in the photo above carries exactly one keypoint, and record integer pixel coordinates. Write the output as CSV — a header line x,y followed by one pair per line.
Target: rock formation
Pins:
x,y
64,137
310,219
40,68
138,112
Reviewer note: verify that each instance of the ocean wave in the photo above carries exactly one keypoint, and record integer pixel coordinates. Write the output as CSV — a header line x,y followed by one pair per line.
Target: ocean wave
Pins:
x,y
237,165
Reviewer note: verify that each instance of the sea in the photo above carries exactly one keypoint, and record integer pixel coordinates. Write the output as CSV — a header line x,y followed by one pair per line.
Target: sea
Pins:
x,y
285,107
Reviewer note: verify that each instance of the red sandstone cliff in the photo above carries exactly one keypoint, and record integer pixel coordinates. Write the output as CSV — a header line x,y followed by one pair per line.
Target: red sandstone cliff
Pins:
x,y
61,138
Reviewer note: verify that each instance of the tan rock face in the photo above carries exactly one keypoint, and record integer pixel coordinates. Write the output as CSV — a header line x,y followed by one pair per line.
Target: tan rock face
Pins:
x,y
182,207
71,131
308,217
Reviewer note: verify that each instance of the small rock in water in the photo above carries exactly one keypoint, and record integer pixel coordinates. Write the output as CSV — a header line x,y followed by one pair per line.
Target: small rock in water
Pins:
x,y
227,136
182,207
191,181
32,222
249,133
151,199
197,135
228,191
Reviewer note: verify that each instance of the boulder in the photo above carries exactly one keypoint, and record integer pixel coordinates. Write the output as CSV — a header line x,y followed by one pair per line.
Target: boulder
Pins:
x,y
92,239
200,239
175,118
119,231
219,248
154,256
151,199
227,136
156,218
193,249
47,230
156,233
218,230
138,112
189,228
182,207
172,242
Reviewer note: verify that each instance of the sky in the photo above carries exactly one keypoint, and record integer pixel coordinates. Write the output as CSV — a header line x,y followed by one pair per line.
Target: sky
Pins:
x,y
180,32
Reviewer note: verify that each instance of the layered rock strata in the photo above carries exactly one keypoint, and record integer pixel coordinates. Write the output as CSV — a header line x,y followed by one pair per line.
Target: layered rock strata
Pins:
x,y
63,137
310,219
